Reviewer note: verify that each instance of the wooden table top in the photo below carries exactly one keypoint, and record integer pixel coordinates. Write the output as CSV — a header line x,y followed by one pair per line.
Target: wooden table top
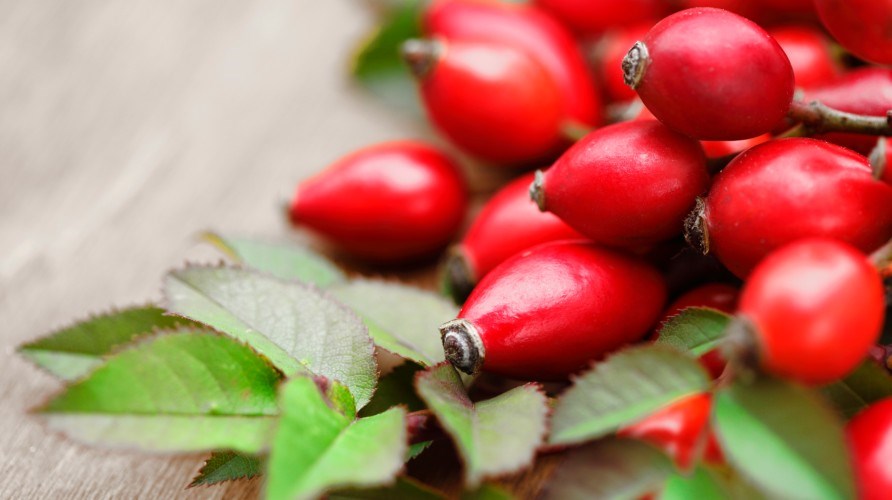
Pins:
x,y
126,129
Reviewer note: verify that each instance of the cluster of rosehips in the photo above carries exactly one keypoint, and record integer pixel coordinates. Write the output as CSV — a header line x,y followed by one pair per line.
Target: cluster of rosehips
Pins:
x,y
554,287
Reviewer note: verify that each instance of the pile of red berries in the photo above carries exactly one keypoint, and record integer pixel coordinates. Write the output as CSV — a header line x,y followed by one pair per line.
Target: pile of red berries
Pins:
x,y
740,129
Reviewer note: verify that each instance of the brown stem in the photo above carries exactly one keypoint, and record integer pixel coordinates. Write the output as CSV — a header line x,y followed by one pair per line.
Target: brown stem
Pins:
x,y
819,118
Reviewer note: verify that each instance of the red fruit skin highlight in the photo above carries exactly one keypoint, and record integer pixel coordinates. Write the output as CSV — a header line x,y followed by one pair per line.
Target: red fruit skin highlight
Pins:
x,y
681,429
628,184
864,91
788,189
531,30
549,311
809,53
387,202
495,102
816,308
869,435
713,75
863,27
509,223
588,17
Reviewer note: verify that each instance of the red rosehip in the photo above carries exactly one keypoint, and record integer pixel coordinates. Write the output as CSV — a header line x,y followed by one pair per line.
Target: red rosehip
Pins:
x,y
881,160
814,307
549,311
588,17
863,27
392,201
531,30
712,75
869,434
787,6
745,8
719,149
628,184
809,53
864,91
491,100
715,295
506,225
613,47
681,429
789,189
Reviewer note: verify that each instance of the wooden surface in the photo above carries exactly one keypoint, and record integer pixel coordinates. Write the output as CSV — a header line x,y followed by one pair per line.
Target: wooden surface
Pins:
x,y
126,127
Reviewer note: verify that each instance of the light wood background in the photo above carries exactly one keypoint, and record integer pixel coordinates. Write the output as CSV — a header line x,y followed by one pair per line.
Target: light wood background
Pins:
x,y
126,127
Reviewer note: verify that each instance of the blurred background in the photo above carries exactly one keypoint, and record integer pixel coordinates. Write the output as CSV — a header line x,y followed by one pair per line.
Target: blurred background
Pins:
x,y
126,129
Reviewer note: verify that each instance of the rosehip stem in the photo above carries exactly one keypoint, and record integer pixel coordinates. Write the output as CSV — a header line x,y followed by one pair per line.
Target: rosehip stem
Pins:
x,y
882,258
819,118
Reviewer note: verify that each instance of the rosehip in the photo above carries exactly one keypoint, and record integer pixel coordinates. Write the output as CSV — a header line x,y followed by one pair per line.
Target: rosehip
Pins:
x,y
869,434
745,8
881,160
530,30
865,91
506,225
809,53
628,184
814,309
719,149
715,295
588,17
494,101
712,75
681,429
613,47
549,311
788,189
392,201
863,27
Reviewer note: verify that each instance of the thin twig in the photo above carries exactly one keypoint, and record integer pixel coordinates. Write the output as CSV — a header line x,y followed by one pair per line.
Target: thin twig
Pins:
x,y
819,118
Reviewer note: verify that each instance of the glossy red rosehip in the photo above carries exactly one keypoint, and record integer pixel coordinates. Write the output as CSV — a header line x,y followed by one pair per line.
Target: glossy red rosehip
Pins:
x,y
788,6
809,53
789,189
719,149
506,225
549,311
863,27
864,91
881,160
681,429
387,202
869,434
715,295
493,101
613,48
628,184
815,308
745,8
712,75
588,17
531,30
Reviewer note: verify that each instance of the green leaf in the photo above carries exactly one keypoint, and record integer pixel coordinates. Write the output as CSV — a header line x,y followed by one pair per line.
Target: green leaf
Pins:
x,y
297,327
186,390
317,448
417,449
402,319
702,485
785,439
868,384
405,488
71,352
611,468
696,330
225,466
624,388
493,437
378,65
395,388
488,492
283,260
